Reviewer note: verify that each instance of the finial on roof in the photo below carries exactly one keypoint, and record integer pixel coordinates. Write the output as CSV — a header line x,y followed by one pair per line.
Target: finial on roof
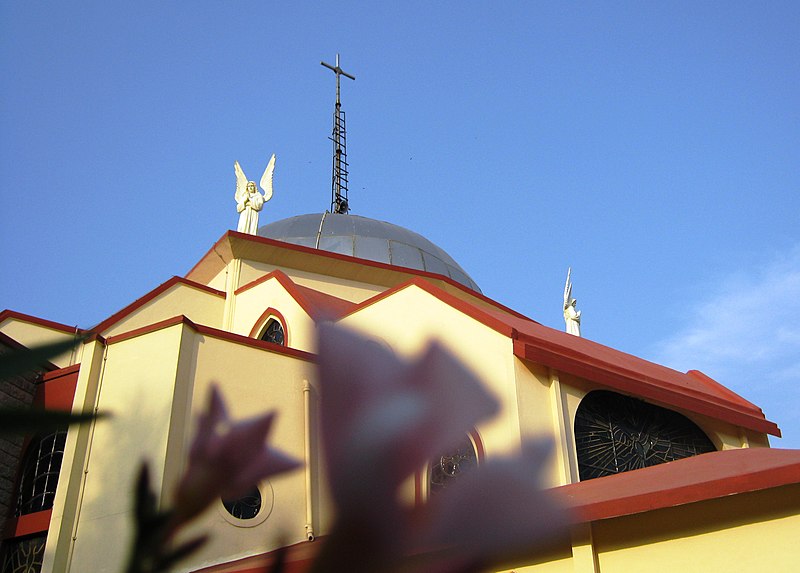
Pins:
x,y
572,316
339,203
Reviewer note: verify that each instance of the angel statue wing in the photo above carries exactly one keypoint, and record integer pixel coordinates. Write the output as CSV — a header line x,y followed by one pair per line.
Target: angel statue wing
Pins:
x,y
241,183
266,179
568,288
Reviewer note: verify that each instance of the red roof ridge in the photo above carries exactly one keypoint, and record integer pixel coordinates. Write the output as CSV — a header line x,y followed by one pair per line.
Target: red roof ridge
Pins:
x,y
317,304
141,301
5,314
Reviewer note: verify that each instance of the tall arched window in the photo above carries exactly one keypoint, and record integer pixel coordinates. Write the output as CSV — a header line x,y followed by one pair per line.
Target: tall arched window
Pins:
x,y
273,332
37,486
616,433
446,468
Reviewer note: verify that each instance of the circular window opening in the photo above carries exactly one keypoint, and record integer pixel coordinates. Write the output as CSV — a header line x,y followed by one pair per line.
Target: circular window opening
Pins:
x,y
448,467
274,332
246,506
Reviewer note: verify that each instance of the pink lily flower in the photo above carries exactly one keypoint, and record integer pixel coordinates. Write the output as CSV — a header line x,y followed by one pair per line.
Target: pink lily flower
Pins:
x,y
226,459
383,420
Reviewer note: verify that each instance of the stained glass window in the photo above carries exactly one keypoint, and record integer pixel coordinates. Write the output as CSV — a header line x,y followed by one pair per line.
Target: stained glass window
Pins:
x,y
37,488
24,555
245,507
616,433
446,468
274,332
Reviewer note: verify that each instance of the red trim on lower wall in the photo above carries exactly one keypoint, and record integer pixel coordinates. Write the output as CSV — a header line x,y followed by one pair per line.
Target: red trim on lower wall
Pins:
x,y
699,478
299,559
28,524
57,388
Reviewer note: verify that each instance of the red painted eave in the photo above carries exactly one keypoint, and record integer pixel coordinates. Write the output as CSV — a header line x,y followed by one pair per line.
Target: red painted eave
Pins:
x,y
637,377
690,480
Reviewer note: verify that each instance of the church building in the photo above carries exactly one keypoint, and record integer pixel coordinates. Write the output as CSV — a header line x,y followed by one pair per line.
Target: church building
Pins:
x,y
662,470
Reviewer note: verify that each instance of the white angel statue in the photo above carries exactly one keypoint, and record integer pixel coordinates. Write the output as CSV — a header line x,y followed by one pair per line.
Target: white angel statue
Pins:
x,y
248,200
572,316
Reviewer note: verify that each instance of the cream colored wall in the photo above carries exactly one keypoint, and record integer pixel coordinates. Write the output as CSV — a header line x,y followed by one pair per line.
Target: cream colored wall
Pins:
x,y
254,381
354,291
32,335
410,318
747,532
140,403
197,305
252,303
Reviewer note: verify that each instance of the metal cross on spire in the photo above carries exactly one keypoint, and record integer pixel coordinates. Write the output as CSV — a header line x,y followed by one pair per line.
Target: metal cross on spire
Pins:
x,y
339,203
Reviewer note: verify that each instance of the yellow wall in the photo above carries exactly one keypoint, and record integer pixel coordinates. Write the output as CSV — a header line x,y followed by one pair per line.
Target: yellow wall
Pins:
x,y
747,532
199,306
32,335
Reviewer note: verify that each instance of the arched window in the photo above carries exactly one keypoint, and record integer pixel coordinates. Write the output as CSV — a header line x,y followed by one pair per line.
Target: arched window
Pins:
x,y
446,468
273,332
37,486
616,433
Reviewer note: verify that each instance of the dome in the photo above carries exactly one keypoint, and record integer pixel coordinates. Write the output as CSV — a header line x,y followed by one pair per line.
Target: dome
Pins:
x,y
367,239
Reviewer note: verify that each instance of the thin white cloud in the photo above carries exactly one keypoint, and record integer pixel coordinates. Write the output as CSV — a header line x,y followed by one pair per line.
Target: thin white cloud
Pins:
x,y
746,334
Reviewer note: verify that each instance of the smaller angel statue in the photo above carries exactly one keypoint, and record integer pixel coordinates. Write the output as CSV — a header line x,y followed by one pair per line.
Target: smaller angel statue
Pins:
x,y
248,200
572,316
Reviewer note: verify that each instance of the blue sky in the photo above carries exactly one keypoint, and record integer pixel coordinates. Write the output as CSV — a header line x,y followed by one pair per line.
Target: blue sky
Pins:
x,y
654,148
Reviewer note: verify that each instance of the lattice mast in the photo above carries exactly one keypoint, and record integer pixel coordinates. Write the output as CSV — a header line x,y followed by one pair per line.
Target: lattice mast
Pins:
x,y
339,200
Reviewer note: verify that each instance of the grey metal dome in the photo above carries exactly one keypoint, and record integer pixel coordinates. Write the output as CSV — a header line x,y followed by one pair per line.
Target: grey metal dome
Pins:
x,y
367,239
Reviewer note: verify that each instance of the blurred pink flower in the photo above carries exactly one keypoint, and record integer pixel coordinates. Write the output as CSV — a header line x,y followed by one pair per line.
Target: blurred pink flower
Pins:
x,y
383,420
226,459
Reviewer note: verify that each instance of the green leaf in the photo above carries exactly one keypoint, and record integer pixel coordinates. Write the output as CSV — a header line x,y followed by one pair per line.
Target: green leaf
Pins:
x,y
23,360
32,420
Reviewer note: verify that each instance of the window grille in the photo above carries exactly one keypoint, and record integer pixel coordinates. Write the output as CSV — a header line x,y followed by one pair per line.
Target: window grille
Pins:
x,y
274,332
37,488
447,468
24,555
616,433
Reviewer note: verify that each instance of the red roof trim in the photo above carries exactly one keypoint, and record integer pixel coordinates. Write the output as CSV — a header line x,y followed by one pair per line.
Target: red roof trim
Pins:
x,y
39,321
699,478
640,384
66,371
216,333
138,303
717,387
318,305
457,303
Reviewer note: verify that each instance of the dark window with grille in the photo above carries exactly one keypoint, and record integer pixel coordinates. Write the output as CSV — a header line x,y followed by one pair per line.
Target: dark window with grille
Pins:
x,y
616,433
274,332
245,507
445,469
24,555
37,486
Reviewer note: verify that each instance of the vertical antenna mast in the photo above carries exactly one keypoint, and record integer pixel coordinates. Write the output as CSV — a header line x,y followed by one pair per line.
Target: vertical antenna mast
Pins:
x,y
339,202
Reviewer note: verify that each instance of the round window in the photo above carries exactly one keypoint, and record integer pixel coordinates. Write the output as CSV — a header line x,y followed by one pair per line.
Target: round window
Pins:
x,y
246,506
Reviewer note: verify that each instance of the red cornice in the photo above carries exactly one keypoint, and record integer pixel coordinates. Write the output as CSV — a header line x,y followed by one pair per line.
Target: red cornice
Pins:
x,y
138,303
649,381
39,321
214,332
699,478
